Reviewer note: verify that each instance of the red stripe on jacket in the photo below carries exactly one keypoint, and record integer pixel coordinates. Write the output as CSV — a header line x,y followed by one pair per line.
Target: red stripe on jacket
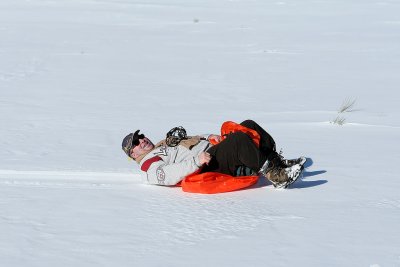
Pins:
x,y
146,165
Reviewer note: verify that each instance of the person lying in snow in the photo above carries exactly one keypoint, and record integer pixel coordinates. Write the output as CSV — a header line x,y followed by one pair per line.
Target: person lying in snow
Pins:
x,y
171,160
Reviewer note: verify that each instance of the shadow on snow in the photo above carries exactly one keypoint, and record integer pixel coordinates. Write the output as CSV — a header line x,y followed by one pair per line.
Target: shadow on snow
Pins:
x,y
300,183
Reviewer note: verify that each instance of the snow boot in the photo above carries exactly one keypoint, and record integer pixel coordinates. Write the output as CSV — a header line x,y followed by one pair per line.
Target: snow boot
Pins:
x,y
283,177
278,173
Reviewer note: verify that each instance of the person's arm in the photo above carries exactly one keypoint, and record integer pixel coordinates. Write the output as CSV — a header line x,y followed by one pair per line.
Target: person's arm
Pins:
x,y
209,137
214,137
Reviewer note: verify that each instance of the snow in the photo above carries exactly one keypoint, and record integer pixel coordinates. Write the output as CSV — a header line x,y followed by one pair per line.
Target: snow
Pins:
x,y
76,76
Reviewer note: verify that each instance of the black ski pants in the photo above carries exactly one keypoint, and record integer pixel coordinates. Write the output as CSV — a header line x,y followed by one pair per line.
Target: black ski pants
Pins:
x,y
238,149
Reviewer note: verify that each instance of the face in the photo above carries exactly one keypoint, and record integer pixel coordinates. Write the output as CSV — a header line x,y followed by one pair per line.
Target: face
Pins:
x,y
145,145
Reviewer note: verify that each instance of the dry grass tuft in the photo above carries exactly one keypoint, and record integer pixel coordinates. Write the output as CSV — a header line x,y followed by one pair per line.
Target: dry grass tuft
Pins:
x,y
346,107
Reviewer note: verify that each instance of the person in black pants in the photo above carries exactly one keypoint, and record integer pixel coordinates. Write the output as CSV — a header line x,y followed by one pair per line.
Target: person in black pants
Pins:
x,y
169,161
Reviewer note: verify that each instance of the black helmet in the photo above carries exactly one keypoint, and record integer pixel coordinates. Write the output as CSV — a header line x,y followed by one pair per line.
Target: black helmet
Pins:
x,y
130,141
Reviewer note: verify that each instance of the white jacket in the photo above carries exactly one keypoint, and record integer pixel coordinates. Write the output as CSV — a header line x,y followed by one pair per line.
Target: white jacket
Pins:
x,y
169,165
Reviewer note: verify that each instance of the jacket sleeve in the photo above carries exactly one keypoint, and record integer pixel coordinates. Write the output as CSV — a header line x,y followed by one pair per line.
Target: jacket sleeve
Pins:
x,y
170,174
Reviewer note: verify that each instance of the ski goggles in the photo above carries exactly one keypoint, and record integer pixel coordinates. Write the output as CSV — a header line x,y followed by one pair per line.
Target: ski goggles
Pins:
x,y
131,141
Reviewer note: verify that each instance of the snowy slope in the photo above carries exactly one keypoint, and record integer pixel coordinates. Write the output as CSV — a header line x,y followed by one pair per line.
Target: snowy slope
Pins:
x,y
76,76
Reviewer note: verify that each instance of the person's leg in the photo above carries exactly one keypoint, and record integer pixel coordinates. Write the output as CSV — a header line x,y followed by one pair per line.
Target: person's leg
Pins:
x,y
267,143
238,149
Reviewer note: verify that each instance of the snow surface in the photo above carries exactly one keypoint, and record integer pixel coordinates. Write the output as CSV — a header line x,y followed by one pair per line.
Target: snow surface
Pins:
x,y
76,76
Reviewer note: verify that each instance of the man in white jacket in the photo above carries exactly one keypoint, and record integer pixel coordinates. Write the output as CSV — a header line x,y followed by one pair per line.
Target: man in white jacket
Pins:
x,y
168,163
